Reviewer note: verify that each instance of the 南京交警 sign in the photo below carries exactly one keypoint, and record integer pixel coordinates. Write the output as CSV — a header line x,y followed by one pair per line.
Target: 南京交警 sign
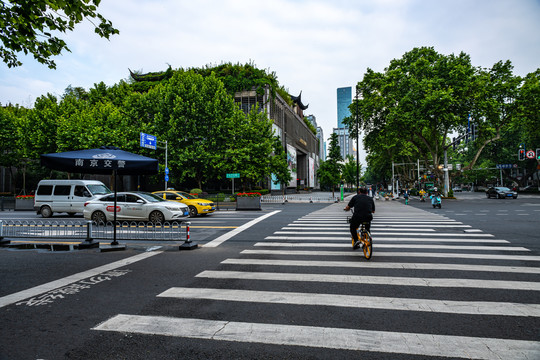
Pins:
x,y
101,163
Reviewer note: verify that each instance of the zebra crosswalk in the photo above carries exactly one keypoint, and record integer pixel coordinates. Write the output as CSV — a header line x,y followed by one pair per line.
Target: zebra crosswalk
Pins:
x,y
434,287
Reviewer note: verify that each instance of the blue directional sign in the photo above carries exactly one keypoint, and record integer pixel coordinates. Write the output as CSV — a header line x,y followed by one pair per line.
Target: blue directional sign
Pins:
x,y
504,166
167,170
148,141
166,177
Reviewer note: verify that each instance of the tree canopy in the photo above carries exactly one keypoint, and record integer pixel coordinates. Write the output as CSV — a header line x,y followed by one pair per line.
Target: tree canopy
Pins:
x,y
28,27
412,109
329,171
207,134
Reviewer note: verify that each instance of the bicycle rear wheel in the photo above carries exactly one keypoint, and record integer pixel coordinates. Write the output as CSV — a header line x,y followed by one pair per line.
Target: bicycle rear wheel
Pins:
x,y
366,239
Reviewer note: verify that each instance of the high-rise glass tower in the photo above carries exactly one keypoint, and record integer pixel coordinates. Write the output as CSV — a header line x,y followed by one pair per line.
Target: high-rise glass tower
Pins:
x,y
344,100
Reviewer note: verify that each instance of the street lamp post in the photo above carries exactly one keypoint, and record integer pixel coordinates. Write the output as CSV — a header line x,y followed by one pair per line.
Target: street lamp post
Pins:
x,y
357,145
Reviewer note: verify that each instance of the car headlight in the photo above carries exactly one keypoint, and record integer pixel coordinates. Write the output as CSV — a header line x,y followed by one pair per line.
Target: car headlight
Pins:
x,y
174,208
202,204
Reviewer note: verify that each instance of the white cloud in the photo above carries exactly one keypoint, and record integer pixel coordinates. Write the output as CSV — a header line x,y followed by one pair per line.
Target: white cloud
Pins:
x,y
313,46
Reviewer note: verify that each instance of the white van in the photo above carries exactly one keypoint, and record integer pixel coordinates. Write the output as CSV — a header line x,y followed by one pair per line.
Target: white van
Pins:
x,y
66,195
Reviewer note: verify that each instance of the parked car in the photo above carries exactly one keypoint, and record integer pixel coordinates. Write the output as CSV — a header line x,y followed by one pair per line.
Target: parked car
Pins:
x,y
66,195
501,192
457,189
134,206
196,206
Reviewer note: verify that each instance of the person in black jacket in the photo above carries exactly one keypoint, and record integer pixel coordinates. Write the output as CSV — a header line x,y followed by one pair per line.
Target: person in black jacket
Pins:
x,y
364,208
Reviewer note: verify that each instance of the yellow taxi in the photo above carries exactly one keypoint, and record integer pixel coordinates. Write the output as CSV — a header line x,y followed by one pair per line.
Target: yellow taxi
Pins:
x,y
196,206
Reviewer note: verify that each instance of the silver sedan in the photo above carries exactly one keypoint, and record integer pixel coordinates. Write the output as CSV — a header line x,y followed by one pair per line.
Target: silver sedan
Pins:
x,y
134,206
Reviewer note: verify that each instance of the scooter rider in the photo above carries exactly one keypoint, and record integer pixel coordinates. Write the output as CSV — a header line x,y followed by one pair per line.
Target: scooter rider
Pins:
x,y
435,198
364,208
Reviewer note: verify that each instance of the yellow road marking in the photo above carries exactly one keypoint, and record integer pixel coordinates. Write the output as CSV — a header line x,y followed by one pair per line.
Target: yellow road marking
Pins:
x,y
47,242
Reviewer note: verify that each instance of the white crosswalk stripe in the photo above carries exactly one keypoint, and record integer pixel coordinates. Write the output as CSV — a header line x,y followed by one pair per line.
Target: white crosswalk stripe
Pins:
x,y
419,259
354,301
386,265
395,254
391,246
325,337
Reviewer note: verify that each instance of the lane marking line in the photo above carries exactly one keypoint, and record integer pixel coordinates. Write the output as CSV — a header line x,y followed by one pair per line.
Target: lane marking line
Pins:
x,y
41,289
218,241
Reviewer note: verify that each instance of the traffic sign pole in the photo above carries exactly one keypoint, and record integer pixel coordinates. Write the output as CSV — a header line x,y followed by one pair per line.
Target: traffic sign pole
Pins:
x,y
232,176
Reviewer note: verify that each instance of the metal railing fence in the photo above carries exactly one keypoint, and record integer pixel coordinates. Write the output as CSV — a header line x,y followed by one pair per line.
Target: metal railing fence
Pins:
x,y
168,231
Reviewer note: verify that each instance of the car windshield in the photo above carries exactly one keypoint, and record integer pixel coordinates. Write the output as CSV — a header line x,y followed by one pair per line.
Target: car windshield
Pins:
x,y
186,195
99,189
502,189
151,197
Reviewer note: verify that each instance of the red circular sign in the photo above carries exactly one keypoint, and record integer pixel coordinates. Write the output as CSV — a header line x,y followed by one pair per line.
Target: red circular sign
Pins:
x,y
531,154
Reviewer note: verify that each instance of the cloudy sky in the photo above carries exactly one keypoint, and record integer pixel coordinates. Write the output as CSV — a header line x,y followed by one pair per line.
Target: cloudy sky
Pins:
x,y
313,46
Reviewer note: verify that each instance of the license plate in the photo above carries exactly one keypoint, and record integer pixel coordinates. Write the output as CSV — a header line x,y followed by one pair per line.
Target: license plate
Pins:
x,y
509,195
213,208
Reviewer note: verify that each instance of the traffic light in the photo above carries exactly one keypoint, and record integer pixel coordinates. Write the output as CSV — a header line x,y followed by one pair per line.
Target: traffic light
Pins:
x,y
538,154
521,154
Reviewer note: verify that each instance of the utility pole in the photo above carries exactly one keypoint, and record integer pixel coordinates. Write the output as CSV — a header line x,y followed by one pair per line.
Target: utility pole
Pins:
x,y
166,167
357,145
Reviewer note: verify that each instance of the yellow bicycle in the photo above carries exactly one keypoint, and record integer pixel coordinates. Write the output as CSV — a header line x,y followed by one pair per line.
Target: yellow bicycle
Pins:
x,y
366,241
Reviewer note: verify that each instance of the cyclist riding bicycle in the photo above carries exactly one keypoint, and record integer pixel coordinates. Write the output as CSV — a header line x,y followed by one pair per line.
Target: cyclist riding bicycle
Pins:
x,y
364,208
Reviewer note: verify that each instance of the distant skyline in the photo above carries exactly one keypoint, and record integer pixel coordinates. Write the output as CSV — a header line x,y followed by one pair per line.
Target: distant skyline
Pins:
x,y
313,46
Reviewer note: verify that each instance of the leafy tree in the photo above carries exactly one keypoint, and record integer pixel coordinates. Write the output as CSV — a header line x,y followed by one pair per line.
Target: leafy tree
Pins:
x,y
8,136
28,26
207,134
249,151
329,171
349,170
38,128
239,77
414,104
496,108
196,116
279,167
528,119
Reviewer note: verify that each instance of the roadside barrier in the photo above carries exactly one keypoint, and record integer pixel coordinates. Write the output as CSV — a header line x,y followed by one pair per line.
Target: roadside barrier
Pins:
x,y
88,231
281,199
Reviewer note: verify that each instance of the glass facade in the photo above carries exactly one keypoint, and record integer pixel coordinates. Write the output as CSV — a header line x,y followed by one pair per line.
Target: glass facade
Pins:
x,y
344,100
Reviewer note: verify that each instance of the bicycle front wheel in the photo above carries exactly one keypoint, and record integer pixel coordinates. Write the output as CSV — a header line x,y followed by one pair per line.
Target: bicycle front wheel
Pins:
x,y
366,237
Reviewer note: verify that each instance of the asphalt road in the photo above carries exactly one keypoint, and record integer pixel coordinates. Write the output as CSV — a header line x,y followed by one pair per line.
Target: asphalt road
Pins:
x,y
442,283
513,219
